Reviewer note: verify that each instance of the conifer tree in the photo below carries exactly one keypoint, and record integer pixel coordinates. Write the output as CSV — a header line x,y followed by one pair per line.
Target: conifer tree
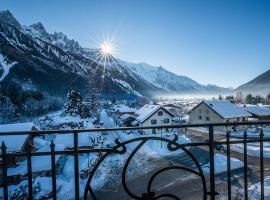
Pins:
x,y
74,103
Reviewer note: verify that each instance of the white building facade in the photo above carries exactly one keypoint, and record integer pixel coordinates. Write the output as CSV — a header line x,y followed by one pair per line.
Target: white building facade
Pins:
x,y
218,112
154,115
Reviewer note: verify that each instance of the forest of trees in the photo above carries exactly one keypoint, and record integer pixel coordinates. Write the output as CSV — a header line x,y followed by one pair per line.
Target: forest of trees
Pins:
x,y
239,97
17,103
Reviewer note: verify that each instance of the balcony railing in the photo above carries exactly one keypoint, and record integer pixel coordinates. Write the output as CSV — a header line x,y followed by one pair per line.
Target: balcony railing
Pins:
x,y
120,148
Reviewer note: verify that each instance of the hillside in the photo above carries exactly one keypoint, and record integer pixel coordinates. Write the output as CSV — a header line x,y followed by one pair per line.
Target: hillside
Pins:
x,y
258,85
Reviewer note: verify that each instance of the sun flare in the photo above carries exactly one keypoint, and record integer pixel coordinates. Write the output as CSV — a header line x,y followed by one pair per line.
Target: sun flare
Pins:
x,y
106,48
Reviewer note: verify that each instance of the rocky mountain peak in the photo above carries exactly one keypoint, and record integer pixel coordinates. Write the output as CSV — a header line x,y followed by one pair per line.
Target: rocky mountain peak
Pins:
x,y
61,40
38,30
7,17
38,26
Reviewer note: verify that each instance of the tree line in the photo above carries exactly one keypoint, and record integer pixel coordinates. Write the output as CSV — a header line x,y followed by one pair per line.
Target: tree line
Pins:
x,y
239,97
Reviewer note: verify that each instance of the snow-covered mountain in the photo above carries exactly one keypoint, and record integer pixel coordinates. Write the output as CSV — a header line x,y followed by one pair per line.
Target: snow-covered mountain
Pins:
x,y
54,64
258,85
169,81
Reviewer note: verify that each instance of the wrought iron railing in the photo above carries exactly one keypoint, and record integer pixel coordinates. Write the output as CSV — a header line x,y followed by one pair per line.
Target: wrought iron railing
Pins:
x,y
121,148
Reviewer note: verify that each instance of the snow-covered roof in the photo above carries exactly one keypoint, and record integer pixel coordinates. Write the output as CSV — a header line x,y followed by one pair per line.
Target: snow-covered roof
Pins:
x,y
126,109
258,110
227,109
126,116
15,142
147,110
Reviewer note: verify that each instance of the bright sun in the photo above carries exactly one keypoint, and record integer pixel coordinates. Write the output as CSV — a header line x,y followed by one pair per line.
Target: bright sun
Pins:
x,y
106,48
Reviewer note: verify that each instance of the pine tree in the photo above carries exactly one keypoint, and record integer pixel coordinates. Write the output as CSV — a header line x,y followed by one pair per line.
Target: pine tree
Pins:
x,y
74,103
220,97
268,99
249,99
259,99
230,98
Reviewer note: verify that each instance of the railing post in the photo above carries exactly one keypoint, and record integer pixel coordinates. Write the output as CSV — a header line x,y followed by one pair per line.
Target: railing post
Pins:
x,y
76,166
212,162
29,171
262,165
245,166
53,170
228,165
4,170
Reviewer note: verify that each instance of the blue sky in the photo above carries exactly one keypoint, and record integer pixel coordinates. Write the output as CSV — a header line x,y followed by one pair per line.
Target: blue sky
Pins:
x,y
224,42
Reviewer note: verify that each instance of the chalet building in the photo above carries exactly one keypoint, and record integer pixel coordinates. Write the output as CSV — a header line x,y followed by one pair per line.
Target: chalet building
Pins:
x,y
153,115
260,113
218,112
16,143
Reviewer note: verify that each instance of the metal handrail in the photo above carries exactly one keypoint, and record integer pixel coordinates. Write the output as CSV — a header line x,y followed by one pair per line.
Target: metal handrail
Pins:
x,y
120,148
134,128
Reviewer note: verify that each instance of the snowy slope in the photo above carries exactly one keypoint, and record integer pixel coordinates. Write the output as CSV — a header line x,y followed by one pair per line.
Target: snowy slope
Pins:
x,y
259,85
165,79
5,67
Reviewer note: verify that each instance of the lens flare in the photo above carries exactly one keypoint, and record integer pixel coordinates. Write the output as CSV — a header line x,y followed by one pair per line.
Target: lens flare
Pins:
x,y
106,48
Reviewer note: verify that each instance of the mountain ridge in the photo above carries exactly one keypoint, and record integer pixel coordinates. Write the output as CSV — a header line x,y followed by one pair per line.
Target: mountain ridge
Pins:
x,y
59,52
170,81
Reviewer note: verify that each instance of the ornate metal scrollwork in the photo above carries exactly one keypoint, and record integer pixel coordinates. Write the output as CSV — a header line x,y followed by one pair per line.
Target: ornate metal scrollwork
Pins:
x,y
149,194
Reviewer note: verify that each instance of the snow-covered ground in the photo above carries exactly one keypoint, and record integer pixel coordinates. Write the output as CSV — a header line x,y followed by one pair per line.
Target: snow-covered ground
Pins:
x,y
251,132
253,149
221,164
255,190
39,163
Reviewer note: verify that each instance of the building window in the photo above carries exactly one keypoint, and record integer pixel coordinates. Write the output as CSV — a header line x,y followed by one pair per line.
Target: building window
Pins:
x,y
238,119
227,120
200,111
153,121
207,111
166,121
160,113
243,119
200,117
207,118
